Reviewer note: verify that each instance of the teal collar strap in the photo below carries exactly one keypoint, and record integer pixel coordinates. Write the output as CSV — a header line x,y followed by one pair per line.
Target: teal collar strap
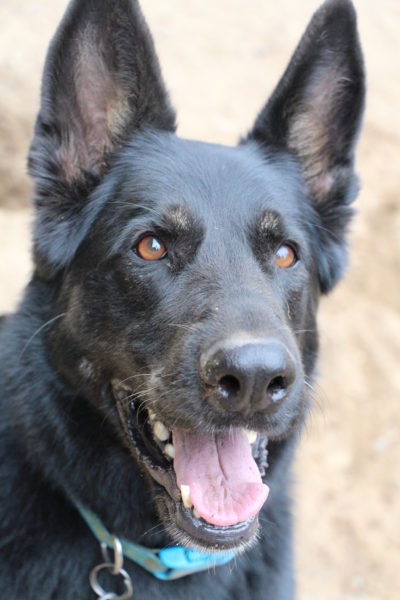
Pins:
x,y
166,563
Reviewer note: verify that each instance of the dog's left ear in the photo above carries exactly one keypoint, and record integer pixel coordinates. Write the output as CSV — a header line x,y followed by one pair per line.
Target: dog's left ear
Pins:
x,y
315,114
101,84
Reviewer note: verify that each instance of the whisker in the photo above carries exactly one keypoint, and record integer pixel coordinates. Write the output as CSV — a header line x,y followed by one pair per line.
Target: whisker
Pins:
x,y
49,322
183,326
315,396
331,233
152,529
133,206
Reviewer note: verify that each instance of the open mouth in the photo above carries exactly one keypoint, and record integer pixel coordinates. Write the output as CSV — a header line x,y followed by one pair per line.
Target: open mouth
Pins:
x,y
212,481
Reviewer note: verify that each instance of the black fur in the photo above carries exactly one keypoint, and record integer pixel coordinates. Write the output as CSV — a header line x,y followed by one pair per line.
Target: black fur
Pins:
x,y
108,168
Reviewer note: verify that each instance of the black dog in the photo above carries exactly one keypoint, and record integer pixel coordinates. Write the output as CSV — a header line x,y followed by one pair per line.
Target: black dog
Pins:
x,y
168,332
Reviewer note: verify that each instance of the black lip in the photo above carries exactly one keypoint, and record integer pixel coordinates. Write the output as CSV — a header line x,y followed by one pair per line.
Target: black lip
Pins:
x,y
211,536
182,521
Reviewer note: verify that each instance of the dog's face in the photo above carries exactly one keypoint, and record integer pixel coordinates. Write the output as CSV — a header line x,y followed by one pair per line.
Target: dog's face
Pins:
x,y
202,269
189,273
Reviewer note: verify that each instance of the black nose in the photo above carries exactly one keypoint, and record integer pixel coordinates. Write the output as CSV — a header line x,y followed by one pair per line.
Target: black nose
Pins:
x,y
248,378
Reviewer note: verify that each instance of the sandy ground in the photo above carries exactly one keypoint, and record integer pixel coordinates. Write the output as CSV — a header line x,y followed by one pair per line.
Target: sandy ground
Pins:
x,y
221,58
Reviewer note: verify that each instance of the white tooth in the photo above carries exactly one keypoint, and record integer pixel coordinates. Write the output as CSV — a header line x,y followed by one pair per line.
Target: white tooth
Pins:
x,y
196,513
160,431
152,414
185,493
169,450
251,436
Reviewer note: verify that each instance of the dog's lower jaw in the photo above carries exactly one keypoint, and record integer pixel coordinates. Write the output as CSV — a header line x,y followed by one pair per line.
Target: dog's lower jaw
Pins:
x,y
184,530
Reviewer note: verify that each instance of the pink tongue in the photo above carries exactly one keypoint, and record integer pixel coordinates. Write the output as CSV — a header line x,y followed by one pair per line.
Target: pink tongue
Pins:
x,y
225,483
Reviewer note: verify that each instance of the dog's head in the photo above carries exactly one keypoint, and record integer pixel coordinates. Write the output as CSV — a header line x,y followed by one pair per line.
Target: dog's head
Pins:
x,y
188,274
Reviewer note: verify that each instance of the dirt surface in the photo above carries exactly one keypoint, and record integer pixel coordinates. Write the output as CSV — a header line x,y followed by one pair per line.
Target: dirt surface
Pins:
x,y
220,59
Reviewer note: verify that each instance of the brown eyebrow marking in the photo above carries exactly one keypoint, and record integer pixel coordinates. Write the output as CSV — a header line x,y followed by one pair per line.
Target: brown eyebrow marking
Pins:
x,y
179,218
270,224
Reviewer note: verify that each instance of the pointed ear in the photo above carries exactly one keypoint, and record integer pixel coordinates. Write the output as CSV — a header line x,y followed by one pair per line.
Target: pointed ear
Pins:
x,y
101,83
315,114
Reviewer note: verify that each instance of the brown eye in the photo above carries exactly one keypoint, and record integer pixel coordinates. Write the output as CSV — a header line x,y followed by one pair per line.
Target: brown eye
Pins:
x,y
151,248
285,256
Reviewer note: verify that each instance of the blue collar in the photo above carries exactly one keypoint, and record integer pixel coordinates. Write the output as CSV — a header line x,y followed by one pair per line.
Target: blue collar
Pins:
x,y
166,563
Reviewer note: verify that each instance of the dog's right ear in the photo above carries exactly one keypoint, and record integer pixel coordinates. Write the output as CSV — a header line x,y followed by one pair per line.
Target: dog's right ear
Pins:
x,y
101,83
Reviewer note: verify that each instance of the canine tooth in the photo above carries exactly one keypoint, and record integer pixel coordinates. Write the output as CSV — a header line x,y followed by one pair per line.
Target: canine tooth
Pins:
x,y
169,450
251,436
160,431
185,493
196,513
152,414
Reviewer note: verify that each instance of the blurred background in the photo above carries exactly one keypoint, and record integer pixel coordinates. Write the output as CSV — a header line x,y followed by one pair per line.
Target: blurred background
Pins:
x,y
221,58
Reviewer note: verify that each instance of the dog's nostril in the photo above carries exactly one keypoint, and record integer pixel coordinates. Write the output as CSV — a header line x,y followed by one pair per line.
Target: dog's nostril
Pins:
x,y
277,388
229,386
